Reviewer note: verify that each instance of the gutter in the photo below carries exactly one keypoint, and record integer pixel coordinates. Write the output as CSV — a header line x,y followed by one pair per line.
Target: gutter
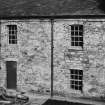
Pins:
x,y
52,48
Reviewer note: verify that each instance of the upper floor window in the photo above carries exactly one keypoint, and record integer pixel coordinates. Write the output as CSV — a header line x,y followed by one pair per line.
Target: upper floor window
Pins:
x,y
77,35
12,31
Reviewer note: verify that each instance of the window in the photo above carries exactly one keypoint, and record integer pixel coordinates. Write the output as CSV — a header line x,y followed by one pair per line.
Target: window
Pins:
x,y
12,31
76,79
77,35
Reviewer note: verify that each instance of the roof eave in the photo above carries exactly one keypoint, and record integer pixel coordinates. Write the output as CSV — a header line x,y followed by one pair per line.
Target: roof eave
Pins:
x,y
54,17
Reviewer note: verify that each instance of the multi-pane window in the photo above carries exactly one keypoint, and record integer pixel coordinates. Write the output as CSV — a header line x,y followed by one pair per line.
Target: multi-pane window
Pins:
x,y
76,79
12,31
77,35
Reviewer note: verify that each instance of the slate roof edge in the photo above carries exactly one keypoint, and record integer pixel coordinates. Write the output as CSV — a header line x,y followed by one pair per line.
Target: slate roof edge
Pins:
x,y
54,17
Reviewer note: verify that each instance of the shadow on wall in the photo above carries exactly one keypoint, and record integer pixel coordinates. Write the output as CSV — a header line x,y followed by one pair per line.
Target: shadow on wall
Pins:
x,y
56,102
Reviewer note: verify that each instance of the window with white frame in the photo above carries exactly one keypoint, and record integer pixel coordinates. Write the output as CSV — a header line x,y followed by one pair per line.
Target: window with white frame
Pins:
x,y
77,35
76,79
12,31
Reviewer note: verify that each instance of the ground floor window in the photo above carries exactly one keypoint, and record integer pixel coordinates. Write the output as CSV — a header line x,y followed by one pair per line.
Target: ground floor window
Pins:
x,y
76,79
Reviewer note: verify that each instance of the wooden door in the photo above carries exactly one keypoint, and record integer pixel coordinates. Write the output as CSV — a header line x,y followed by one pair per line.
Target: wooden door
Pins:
x,y
11,74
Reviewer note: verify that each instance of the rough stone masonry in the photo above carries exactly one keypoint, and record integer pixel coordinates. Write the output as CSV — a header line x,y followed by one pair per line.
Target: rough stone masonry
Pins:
x,y
33,55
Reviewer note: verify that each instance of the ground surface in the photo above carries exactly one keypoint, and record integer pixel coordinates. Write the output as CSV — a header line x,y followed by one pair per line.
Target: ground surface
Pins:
x,y
56,102
36,99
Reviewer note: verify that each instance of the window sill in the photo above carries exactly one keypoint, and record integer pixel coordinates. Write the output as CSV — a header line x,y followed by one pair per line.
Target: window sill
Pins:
x,y
75,48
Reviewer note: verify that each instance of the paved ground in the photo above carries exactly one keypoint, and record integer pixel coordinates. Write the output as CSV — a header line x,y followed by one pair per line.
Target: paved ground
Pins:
x,y
46,100
36,99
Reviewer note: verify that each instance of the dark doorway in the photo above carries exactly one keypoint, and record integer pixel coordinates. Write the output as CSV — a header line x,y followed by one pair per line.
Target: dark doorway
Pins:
x,y
11,67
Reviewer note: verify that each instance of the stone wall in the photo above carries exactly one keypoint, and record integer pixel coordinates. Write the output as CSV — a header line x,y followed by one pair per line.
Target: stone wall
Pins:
x,y
90,58
33,55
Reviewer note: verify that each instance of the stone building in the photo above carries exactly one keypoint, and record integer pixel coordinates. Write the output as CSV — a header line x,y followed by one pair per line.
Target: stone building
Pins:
x,y
59,50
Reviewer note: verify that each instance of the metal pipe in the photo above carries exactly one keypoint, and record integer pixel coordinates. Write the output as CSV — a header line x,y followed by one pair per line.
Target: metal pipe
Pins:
x,y
52,50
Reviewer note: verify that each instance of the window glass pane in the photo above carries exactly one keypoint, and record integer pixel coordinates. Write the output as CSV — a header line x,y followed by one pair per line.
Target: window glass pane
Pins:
x,y
80,82
72,33
76,38
72,86
76,71
76,82
10,37
72,71
13,37
72,76
72,27
73,43
76,77
76,28
14,41
13,32
80,33
76,87
73,38
72,82
76,33
80,43
81,27
80,87
80,39
10,32
10,41
76,44
80,77
80,72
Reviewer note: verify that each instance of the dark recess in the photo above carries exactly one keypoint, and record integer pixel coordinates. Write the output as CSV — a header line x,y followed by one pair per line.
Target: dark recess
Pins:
x,y
101,5
58,102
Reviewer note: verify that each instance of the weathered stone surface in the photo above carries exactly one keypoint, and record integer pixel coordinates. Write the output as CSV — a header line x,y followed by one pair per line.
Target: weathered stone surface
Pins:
x,y
33,55
90,59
